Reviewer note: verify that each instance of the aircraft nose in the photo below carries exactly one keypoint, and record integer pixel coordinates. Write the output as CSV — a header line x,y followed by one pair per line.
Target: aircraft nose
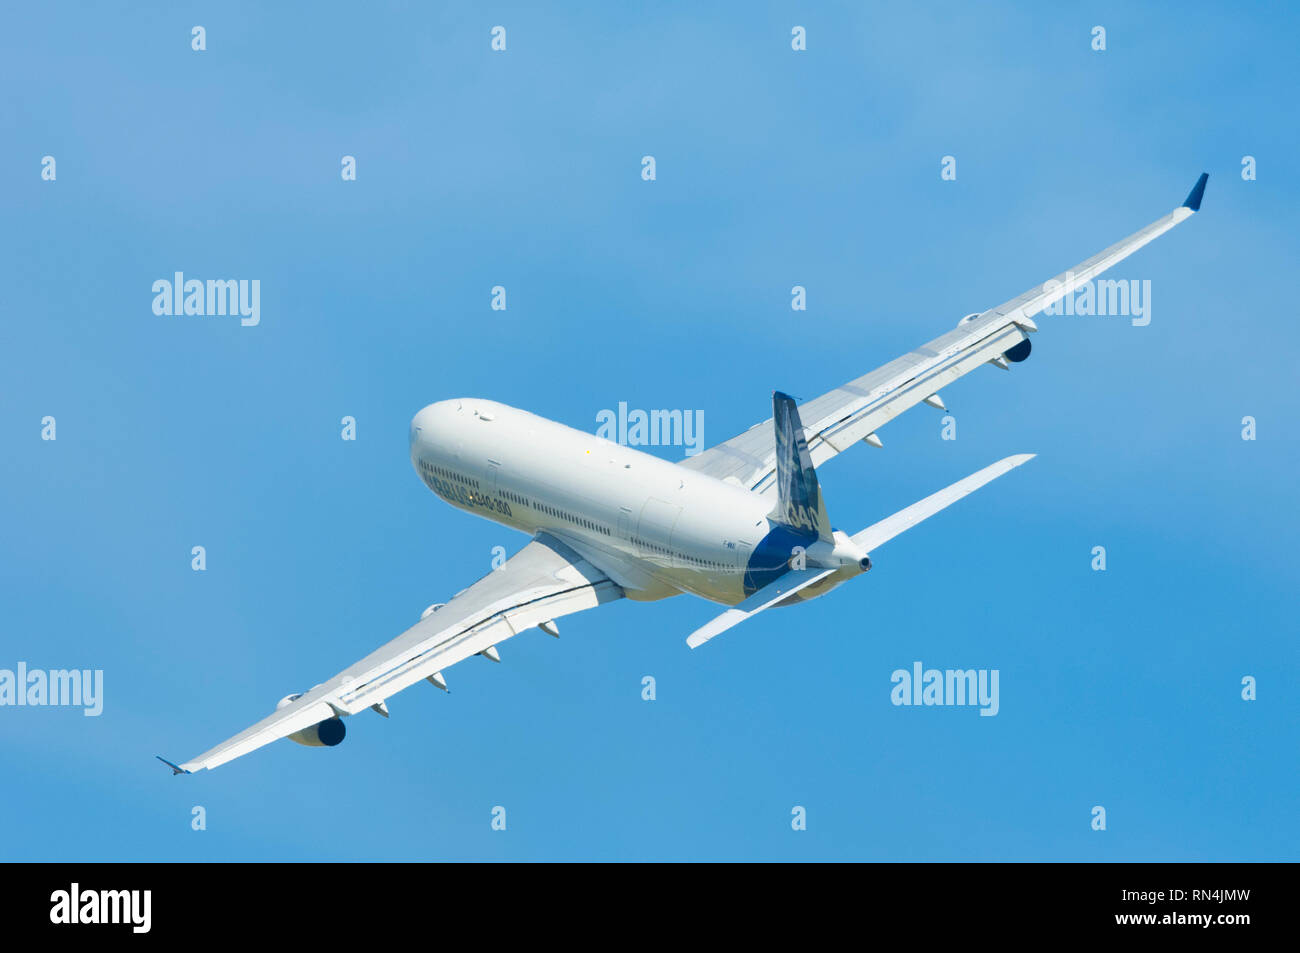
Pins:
x,y
437,423
424,423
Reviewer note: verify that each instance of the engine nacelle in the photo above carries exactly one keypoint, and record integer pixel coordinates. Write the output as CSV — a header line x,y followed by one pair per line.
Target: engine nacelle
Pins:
x,y
323,734
969,318
431,610
1018,353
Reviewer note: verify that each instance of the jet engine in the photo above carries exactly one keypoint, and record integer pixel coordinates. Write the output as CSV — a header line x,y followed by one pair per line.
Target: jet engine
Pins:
x,y
323,734
1018,353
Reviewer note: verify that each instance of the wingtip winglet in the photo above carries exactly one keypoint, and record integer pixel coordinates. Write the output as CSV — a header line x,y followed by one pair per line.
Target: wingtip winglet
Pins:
x,y
176,768
1197,193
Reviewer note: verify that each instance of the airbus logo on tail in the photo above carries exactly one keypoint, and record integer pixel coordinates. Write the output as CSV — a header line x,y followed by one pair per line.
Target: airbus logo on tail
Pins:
x,y
800,516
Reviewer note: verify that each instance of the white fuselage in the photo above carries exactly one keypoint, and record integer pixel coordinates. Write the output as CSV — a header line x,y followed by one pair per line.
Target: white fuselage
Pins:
x,y
655,528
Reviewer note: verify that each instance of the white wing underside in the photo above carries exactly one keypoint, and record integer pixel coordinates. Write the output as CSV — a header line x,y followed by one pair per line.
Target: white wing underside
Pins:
x,y
543,581
836,420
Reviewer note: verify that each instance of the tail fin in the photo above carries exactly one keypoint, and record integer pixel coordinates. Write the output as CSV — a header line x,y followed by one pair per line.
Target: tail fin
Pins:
x,y
799,497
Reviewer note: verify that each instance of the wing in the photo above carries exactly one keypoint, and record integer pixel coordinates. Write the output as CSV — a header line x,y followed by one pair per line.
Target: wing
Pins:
x,y
781,588
544,580
836,420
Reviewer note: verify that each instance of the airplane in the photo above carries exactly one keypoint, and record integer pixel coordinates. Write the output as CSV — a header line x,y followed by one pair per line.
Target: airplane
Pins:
x,y
743,524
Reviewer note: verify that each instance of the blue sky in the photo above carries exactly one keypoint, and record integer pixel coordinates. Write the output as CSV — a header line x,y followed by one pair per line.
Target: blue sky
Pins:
x,y
775,168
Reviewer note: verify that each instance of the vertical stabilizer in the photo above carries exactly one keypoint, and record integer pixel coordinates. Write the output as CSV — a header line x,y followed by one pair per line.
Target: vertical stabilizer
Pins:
x,y
799,497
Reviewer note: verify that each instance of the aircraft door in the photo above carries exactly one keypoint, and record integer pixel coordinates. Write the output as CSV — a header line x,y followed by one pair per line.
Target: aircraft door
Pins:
x,y
655,531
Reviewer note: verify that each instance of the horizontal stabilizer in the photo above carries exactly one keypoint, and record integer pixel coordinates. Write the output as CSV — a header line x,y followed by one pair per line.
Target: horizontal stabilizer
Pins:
x,y
905,519
773,592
